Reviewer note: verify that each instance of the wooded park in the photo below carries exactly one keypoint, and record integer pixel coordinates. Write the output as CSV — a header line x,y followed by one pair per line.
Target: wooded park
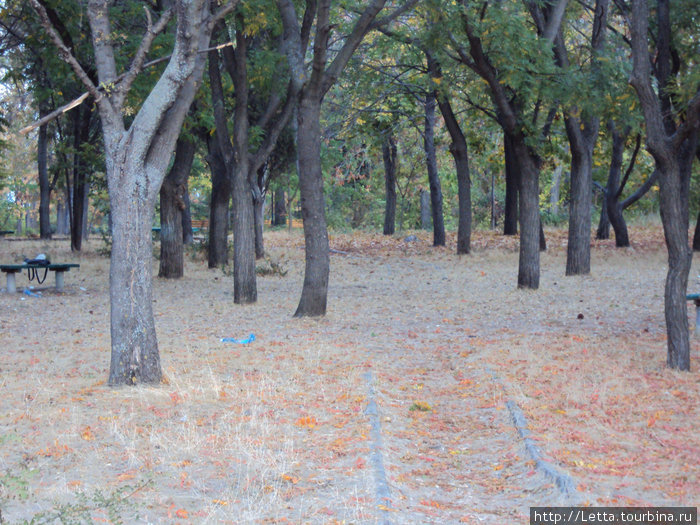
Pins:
x,y
417,261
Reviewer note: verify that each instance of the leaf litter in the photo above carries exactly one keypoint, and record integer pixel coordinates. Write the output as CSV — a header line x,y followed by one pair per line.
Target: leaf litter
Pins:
x,y
276,431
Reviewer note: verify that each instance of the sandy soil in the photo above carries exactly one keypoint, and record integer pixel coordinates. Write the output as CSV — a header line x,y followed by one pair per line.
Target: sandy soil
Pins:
x,y
395,407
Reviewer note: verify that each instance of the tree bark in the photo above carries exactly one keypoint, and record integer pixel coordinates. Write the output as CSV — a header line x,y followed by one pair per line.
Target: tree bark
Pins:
x,y
280,208
187,236
135,357
44,184
578,251
317,261
218,205
510,219
433,177
612,190
389,155
172,204
530,223
244,279
81,133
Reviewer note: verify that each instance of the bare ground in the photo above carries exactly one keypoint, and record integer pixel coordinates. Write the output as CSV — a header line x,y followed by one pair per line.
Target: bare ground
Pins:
x,y
284,429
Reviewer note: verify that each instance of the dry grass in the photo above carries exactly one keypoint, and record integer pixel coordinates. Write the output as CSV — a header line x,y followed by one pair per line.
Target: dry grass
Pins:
x,y
275,431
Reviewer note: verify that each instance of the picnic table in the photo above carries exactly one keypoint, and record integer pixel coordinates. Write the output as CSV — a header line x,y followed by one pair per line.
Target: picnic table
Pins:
x,y
58,269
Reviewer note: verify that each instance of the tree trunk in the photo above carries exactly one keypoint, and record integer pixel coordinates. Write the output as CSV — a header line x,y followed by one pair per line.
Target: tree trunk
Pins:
x,y
425,218
530,222
44,185
603,231
433,177
510,219
135,356
81,132
172,203
578,251
259,219
315,289
218,205
187,236
389,154
696,235
554,192
279,208
244,279
613,206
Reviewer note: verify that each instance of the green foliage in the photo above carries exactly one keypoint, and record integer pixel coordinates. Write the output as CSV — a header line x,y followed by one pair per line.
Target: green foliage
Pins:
x,y
116,507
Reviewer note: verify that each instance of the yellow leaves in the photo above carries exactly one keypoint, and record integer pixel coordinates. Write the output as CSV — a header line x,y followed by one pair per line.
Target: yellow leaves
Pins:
x,y
385,508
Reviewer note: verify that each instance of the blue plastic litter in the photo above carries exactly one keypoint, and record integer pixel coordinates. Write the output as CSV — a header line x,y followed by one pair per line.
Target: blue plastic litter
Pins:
x,y
245,341
27,291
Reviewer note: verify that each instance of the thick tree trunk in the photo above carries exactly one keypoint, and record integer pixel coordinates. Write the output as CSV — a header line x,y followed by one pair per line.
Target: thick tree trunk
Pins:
x,y
433,177
244,280
673,202
172,204
315,289
530,222
389,155
218,206
578,251
44,185
135,357
510,219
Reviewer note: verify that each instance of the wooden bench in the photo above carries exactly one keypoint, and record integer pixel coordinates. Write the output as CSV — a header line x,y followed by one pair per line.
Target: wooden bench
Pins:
x,y
12,269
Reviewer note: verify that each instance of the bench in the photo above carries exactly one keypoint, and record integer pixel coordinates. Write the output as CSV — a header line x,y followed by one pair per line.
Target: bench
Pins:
x,y
696,298
12,269
6,232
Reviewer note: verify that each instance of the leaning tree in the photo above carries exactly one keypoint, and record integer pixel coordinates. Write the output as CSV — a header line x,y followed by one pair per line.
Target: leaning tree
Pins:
x,y
137,155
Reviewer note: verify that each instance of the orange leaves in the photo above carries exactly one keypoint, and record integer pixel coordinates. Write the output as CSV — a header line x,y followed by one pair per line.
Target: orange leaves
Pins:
x,y
291,479
87,434
56,450
309,422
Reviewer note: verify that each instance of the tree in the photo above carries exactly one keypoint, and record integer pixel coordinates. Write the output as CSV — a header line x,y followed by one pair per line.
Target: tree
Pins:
x,y
267,112
517,97
582,124
672,123
137,156
312,88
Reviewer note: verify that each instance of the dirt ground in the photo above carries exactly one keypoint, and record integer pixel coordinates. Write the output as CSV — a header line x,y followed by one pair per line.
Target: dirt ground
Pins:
x,y
396,407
